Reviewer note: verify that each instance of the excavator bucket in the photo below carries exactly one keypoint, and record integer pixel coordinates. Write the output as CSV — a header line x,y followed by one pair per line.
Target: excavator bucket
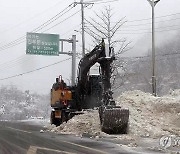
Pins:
x,y
114,119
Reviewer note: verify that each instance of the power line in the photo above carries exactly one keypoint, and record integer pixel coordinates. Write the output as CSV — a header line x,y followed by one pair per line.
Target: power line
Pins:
x,y
148,28
151,23
6,64
101,1
133,31
124,28
168,15
106,2
15,43
43,31
62,21
35,16
54,18
45,24
158,31
17,60
13,63
148,56
94,1
13,76
39,28
137,20
72,29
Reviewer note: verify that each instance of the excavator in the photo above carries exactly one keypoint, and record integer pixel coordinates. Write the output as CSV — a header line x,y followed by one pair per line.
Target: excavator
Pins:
x,y
90,91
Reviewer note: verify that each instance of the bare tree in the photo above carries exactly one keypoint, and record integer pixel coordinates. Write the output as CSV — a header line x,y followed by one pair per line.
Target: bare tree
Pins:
x,y
104,27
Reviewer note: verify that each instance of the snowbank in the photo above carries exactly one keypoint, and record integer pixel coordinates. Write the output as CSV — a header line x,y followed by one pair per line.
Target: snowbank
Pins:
x,y
87,123
149,116
152,116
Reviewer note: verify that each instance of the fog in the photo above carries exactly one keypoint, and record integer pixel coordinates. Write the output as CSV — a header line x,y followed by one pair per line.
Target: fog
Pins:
x,y
19,17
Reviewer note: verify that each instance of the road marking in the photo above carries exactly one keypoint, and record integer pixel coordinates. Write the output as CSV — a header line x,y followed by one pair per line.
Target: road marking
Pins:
x,y
19,130
34,147
33,150
95,150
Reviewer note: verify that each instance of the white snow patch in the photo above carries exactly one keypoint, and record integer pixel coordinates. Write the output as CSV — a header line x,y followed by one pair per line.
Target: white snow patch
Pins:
x,y
36,121
149,117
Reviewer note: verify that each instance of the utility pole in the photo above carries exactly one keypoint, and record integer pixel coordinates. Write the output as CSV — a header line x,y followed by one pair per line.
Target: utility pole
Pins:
x,y
82,22
153,4
83,4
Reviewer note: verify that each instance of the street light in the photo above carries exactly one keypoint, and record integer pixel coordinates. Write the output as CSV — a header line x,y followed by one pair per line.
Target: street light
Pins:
x,y
153,4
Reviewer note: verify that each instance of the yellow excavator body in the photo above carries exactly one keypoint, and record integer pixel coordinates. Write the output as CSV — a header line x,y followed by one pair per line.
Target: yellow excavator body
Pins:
x,y
62,95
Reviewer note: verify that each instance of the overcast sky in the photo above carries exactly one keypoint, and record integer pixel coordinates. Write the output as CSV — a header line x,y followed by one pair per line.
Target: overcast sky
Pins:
x,y
21,16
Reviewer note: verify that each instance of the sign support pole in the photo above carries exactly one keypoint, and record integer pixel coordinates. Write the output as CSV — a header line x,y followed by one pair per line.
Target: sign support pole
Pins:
x,y
73,54
73,60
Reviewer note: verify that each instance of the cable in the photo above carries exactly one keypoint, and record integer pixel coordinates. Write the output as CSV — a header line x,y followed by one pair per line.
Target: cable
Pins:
x,y
42,31
13,76
93,1
54,18
1,64
15,62
124,28
155,17
50,28
39,28
139,57
106,1
62,21
150,22
35,16
145,23
21,38
70,30
148,28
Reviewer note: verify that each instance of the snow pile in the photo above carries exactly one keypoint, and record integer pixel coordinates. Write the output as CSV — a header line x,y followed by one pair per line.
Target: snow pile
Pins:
x,y
87,123
149,117
152,116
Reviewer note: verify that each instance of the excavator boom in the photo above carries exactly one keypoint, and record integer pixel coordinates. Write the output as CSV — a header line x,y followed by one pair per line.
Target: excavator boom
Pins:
x,y
113,118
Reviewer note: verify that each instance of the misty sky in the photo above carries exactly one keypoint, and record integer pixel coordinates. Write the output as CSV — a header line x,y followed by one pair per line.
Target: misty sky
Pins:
x,y
21,16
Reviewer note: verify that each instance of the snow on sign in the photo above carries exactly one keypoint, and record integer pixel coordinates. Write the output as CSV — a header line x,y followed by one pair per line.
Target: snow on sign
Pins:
x,y
42,44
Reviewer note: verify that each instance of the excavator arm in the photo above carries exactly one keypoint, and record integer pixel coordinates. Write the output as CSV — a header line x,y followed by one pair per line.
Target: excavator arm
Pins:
x,y
113,118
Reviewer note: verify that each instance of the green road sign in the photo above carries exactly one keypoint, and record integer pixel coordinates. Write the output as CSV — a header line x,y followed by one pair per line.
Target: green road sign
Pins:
x,y
42,44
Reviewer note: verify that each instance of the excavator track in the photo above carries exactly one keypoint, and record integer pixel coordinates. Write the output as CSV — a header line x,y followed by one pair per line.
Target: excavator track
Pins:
x,y
114,120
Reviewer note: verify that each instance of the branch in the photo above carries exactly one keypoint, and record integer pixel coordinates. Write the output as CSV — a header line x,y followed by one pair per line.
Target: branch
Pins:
x,y
117,41
104,21
116,29
118,23
123,47
97,28
101,25
94,35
